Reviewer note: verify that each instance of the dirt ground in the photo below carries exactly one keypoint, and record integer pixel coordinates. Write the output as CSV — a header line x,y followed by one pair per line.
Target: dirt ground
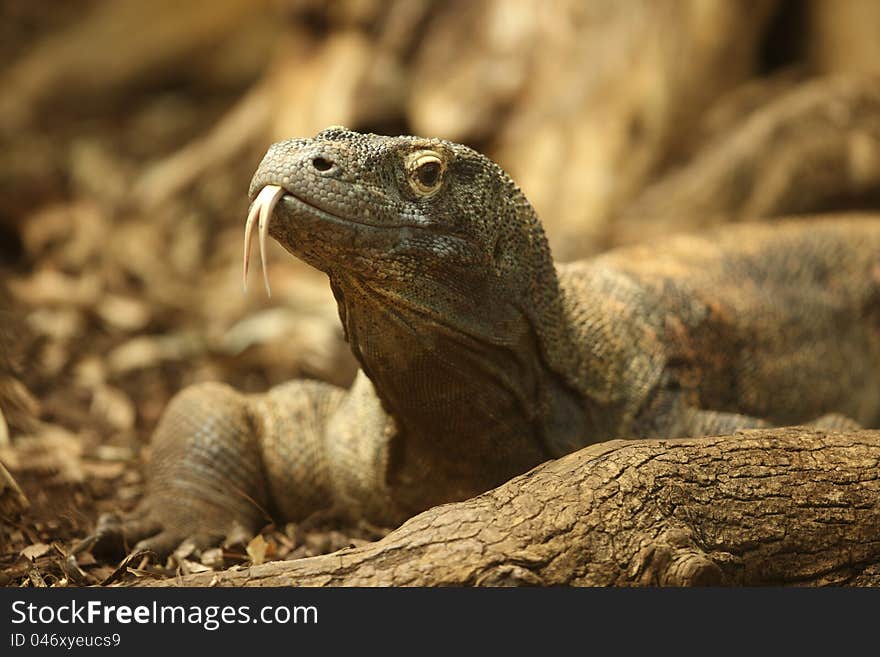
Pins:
x,y
109,308
110,312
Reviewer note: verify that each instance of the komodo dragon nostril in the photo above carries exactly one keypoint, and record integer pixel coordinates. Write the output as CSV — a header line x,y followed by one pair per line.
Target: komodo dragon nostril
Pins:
x,y
322,164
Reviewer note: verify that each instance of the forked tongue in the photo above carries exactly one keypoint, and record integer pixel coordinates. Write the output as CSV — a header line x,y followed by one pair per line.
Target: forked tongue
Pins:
x,y
262,207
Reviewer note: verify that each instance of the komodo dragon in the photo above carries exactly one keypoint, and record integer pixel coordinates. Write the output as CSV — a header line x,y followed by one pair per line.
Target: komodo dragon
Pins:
x,y
480,358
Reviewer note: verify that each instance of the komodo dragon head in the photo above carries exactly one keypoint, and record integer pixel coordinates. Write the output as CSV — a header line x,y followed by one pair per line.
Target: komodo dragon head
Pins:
x,y
396,209
445,283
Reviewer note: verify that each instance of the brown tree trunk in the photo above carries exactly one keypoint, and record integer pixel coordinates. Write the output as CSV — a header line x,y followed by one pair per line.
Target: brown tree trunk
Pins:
x,y
778,506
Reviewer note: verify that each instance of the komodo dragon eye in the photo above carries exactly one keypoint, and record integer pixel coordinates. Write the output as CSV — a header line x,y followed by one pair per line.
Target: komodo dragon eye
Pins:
x,y
425,170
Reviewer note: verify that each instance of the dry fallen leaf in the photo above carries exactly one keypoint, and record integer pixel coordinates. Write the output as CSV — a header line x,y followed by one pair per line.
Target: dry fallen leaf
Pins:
x,y
36,550
189,567
52,287
256,549
147,351
114,407
58,324
36,578
184,550
213,558
124,313
103,469
80,227
53,451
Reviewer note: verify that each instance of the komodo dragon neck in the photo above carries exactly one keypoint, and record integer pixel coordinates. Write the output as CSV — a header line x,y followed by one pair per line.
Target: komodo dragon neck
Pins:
x,y
448,295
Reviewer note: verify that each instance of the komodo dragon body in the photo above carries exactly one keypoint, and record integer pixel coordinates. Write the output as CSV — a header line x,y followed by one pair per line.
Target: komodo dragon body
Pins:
x,y
481,358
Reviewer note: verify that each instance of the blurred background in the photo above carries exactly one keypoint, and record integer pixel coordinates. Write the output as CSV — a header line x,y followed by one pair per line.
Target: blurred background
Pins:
x,y
130,130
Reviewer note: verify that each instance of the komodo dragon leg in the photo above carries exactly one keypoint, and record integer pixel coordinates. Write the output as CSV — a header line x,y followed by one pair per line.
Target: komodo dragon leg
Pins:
x,y
217,458
677,417
224,464
696,422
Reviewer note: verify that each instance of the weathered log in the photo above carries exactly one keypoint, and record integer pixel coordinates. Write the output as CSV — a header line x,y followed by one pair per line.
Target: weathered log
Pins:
x,y
117,46
842,36
811,149
779,506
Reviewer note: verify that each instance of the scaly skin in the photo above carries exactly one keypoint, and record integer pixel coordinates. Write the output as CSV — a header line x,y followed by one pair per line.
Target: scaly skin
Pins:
x,y
481,358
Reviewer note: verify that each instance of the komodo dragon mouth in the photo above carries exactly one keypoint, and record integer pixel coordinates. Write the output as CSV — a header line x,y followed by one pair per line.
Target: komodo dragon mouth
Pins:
x,y
262,210
262,207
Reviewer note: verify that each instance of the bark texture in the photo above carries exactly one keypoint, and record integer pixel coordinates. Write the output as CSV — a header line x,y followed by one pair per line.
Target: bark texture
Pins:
x,y
769,507
814,147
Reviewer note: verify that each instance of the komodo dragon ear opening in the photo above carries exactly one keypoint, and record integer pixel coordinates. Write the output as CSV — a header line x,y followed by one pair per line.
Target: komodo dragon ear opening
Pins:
x,y
262,207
